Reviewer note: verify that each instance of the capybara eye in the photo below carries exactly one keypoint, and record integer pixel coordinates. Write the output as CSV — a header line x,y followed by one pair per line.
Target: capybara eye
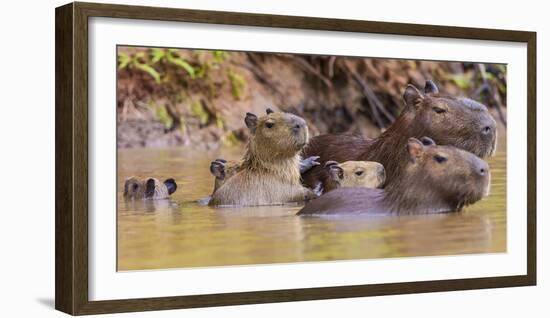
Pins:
x,y
439,110
440,159
269,125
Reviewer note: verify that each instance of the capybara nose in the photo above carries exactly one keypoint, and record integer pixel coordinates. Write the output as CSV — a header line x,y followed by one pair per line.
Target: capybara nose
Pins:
x,y
482,171
482,168
298,125
488,126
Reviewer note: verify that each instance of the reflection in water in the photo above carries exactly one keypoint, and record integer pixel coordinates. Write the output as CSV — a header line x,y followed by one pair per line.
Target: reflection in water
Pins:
x,y
183,233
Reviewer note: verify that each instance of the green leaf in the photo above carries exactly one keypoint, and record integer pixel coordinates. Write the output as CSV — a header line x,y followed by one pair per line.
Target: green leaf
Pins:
x,y
157,55
238,84
123,60
149,70
490,76
219,56
230,139
183,64
219,121
163,116
198,110
501,68
462,80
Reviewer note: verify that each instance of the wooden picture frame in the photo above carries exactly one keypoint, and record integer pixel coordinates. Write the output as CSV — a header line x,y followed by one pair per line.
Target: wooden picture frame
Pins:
x,y
71,268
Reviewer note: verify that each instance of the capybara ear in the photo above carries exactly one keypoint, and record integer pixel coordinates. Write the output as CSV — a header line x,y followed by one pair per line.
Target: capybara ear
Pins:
x,y
126,187
427,141
334,170
150,188
170,185
430,88
269,111
412,95
130,185
251,122
330,163
217,168
415,148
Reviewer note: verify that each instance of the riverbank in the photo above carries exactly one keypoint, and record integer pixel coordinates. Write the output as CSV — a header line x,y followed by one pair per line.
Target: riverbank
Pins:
x,y
198,98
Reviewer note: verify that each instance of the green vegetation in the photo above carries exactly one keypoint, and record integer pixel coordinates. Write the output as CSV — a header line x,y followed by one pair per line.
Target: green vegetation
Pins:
x,y
238,84
201,95
173,82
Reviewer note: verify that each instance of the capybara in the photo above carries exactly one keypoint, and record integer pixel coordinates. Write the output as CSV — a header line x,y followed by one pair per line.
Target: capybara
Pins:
x,y
269,173
148,188
366,174
448,120
435,179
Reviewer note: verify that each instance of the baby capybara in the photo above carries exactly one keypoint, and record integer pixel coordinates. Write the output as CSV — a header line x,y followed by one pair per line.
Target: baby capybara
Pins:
x,y
366,174
269,172
454,121
148,188
436,179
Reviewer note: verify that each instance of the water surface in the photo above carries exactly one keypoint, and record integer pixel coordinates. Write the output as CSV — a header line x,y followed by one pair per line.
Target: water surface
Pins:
x,y
182,233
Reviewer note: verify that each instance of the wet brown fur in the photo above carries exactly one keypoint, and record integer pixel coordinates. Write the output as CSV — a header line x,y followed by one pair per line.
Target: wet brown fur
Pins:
x,y
426,185
448,120
222,169
269,173
367,174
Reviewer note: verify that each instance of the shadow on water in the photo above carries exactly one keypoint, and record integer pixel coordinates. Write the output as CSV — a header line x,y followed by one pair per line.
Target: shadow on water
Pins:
x,y
183,233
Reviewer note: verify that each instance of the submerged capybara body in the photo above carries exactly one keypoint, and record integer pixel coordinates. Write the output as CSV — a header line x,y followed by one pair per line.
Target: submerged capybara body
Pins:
x,y
148,188
366,174
454,121
269,172
435,179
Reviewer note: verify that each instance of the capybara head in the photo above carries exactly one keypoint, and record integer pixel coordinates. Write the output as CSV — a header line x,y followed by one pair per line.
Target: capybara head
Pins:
x,y
440,176
277,134
367,174
456,121
148,188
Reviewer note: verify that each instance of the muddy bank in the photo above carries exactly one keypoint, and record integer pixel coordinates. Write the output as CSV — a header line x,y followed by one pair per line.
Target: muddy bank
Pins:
x,y
199,98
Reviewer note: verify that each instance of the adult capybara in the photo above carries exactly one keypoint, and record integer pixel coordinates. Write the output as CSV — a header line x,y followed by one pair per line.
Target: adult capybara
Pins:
x,y
366,174
435,179
148,188
222,169
454,121
269,172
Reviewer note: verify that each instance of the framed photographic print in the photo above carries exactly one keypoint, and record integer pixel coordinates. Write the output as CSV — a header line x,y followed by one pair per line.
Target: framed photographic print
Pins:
x,y
219,158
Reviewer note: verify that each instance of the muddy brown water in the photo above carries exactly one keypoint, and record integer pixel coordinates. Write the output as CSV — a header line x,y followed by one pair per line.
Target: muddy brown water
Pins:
x,y
180,232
